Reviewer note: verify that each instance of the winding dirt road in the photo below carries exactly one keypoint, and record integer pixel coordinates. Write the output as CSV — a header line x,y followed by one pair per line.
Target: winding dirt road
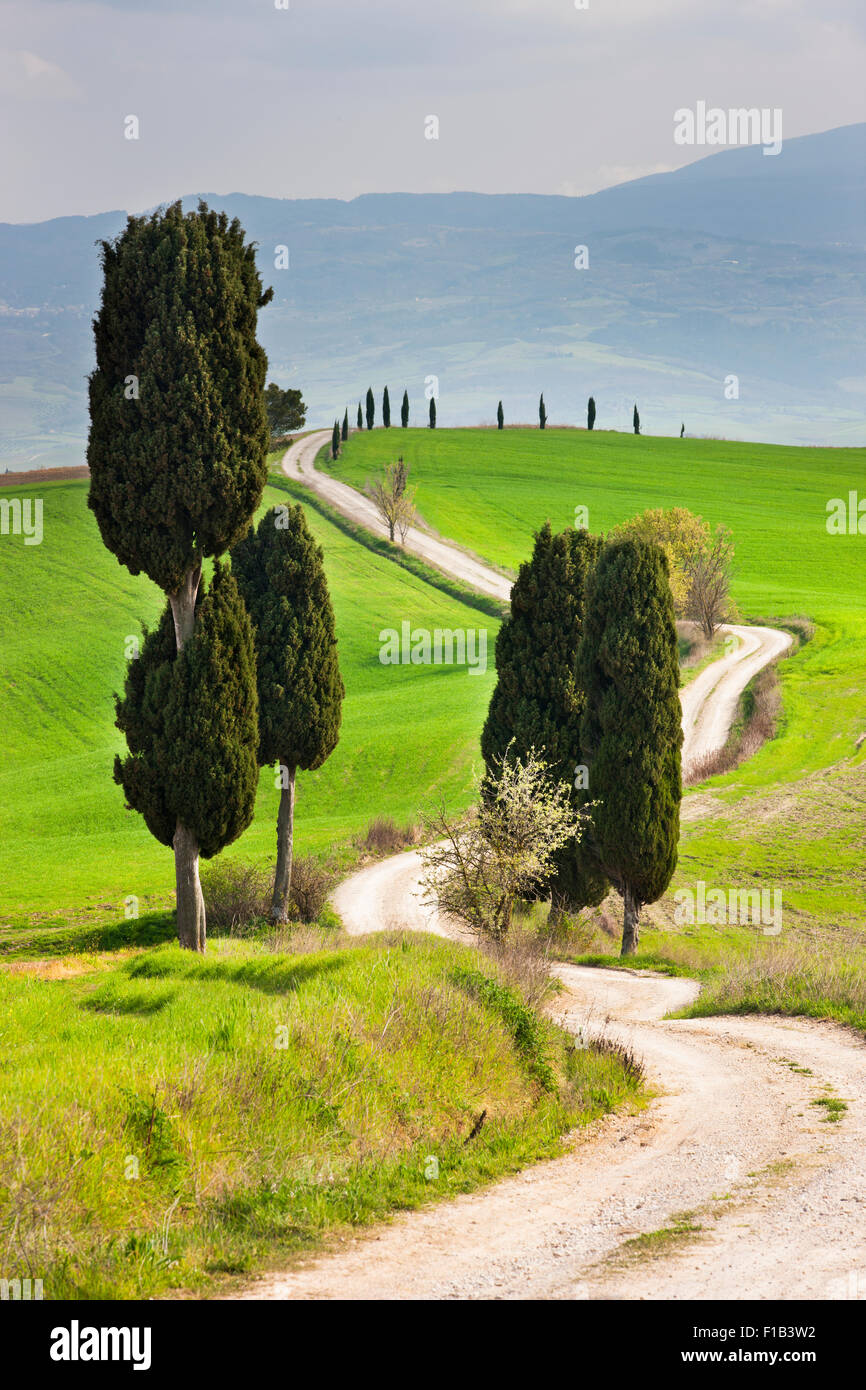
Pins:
x,y
736,1137
775,1194
298,463
709,702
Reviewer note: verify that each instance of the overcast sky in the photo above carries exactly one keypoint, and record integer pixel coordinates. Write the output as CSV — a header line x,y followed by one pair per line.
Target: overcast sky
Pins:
x,y
329,97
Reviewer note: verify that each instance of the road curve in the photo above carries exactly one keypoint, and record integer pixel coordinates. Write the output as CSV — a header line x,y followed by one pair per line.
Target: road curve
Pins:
x,y
298,463
709,703
735,1137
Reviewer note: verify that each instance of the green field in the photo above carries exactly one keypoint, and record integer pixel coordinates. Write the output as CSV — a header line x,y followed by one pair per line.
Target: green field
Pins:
x,y
489,490
68,608
67,846
154,1139
794,815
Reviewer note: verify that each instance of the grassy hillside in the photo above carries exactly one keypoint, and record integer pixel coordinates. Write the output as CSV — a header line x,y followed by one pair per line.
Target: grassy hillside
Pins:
x,y
488,490
66,610
793,815
212,1114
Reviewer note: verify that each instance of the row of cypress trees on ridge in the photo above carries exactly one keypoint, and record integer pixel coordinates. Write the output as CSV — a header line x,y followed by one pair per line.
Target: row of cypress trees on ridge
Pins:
x,y
242,671
369,413
587,671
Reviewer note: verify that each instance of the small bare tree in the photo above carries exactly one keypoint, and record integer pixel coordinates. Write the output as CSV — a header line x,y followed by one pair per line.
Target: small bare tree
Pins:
x,y
393,499
709,577
476,871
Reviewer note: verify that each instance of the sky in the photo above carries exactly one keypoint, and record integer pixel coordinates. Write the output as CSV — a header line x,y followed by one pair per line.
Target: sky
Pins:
x,y
332,98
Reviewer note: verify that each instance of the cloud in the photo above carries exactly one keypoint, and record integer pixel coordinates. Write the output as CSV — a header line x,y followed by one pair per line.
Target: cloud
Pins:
x,y
24,75
329,98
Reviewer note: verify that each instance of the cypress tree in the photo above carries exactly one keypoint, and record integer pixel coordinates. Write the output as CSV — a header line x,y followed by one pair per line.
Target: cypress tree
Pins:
x,y
404,410
635,420
345,431
360,417
538,701
432,412
631,730
590,413
190,720
386,409
178,428
335,440
281,576
371,408
500,416
542,413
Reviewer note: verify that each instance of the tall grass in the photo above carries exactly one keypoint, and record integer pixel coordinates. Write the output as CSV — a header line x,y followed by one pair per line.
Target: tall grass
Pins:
x,y
176,1119
817,979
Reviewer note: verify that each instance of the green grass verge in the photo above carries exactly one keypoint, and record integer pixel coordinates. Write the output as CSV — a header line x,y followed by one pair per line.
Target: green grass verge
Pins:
x,y
175,1120
380,546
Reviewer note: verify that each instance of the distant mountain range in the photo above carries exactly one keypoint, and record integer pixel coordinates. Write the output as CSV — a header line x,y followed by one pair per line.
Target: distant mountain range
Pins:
x,y
738,265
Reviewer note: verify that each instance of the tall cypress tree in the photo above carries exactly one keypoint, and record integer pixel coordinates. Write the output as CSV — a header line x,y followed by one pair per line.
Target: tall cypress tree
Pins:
x,y
386,409
538,701
335,440
179,432
360,417
432,412
345,431
190,720
635,420
500,416
371,408
404,410
542,413
590,413
631,730
281,576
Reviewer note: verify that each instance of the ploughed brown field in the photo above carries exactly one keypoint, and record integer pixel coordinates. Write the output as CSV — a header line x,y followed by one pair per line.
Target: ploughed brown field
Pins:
x,y
43,475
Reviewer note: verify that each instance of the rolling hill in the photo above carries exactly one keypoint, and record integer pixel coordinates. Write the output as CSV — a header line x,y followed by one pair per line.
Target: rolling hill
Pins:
x,y
66,610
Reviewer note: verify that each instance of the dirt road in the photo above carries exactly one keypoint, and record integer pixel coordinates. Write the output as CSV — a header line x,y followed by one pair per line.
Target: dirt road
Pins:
x,y
298,464
734,1139
710,703
706,721
735,1158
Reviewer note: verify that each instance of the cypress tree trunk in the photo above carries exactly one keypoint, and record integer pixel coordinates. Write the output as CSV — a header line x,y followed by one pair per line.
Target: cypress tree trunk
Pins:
x,y
285,832
183,605
191,922
191,925
631,923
